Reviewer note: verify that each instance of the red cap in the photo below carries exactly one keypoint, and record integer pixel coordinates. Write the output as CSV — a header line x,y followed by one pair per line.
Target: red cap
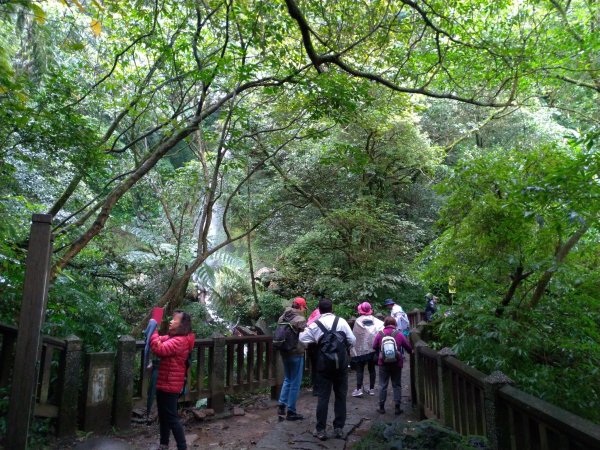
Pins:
x,y
299,303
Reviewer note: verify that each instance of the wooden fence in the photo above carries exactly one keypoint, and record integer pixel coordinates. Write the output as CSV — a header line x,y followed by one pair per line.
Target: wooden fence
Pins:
x,y
222,366
474,403
56,394
114,383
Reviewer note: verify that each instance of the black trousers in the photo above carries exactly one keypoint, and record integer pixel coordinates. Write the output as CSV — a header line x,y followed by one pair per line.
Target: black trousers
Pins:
x,y
360,370
338,381
169,419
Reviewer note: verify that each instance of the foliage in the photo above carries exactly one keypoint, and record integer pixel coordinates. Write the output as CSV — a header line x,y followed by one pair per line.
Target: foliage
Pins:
x,y
545,350
521,206
507,219
75,307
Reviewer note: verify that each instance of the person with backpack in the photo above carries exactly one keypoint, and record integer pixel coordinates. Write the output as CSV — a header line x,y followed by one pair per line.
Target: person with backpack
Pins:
x,y
398,313
173,350
388,343
334,338
365,328
289,326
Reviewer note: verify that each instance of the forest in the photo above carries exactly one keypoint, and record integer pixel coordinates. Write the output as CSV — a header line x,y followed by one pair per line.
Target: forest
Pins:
x,y
225,156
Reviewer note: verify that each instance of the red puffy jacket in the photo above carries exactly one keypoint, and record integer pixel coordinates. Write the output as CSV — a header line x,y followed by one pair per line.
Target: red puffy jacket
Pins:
x,y
173,352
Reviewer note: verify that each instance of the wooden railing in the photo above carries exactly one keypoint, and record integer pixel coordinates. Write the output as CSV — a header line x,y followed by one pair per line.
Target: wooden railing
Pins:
x,y
221,366
113,383
474,403
59,364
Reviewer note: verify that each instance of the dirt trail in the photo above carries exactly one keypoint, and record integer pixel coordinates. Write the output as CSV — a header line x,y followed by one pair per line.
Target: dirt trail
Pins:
x,y
260,427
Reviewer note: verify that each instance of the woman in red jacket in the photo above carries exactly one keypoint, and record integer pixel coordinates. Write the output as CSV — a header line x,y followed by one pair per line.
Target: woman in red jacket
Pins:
x,y
173,350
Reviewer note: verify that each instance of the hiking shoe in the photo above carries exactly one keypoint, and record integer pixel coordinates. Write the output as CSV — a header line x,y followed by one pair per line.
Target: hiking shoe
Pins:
x,y
292,415
338,433
320,434
370,391
397,410
381,409
281,410
357,393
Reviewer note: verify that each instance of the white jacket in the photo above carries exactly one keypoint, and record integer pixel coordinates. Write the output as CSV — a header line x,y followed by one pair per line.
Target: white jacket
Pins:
x,y
398,313
365,329
313,333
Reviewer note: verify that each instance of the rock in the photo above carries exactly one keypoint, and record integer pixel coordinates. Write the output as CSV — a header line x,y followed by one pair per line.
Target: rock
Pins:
x,y
209,411
199,413
191,438
139,412
245,331
237,411
262,327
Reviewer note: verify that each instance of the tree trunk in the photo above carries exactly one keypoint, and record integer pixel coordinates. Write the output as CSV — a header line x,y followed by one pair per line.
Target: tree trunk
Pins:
x,y
517,278
561,254
66,195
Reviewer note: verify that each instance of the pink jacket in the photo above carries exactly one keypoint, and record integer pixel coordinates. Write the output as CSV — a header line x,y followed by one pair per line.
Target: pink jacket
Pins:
x,y
401,341
173,352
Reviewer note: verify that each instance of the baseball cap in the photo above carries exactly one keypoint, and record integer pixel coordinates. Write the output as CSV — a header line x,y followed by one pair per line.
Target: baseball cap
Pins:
x,y
299,303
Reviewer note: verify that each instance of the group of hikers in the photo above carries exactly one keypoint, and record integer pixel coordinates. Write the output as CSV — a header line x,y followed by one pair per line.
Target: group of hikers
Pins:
x,y
330,343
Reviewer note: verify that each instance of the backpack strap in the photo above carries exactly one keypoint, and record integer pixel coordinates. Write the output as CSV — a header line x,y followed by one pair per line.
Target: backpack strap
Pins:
x,y
335,322
321,326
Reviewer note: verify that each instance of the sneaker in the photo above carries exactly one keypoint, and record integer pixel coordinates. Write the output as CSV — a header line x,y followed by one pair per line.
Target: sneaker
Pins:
x,y
381,409
371,391
281,410
397,409
338,433
320,434
357,393
292,415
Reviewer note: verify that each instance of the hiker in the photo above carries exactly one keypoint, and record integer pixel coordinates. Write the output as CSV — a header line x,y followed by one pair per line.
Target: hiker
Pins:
x,y
398,313
333,336
293,360
173,350
365,328
430,306
388,343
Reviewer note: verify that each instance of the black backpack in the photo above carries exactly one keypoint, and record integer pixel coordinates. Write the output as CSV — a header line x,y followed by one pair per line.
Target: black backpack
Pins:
x,y
333,354
285,338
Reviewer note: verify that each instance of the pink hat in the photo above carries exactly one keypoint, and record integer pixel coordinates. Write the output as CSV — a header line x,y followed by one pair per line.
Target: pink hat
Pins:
x,y
365,309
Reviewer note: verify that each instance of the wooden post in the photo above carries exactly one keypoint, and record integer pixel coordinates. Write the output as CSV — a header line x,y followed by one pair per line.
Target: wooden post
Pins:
x,y
216,383
33,308
123,398
496,423
70,377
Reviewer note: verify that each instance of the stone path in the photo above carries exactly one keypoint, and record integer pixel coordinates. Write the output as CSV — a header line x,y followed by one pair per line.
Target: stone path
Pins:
x,y
361,415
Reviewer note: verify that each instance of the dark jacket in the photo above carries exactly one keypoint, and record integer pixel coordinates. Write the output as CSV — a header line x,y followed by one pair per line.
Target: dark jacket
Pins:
x,y
401,342
430,309
294,316
173,352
